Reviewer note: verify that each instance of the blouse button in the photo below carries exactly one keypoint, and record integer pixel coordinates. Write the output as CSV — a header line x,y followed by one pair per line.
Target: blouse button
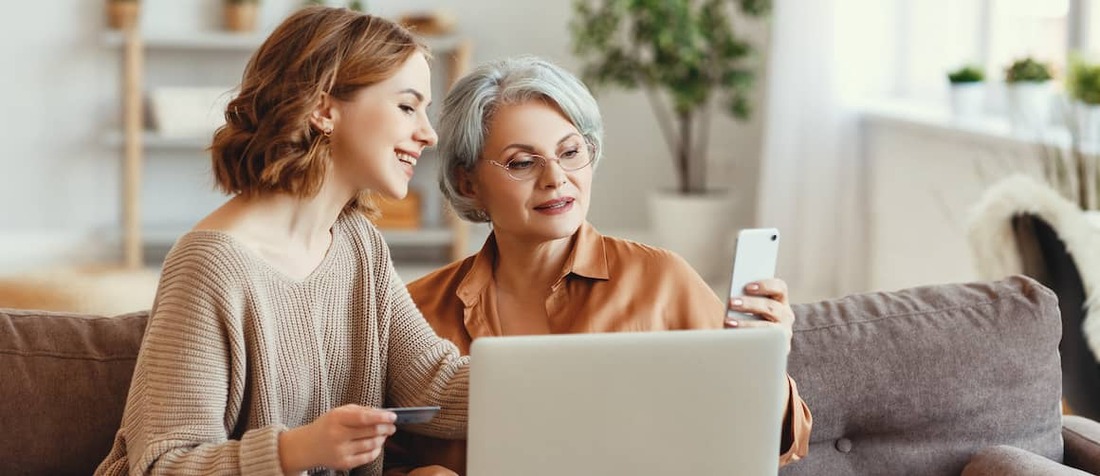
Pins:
x,y
844,445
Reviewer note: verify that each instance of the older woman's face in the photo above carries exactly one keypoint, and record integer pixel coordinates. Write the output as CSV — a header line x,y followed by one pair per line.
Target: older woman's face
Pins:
x,y
548,202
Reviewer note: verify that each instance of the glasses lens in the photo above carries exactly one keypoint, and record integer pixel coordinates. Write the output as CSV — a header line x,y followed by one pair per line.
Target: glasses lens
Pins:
x,y
575,155
523,166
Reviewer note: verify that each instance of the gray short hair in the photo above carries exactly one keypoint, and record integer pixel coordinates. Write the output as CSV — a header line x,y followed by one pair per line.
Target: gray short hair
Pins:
x,y
473,100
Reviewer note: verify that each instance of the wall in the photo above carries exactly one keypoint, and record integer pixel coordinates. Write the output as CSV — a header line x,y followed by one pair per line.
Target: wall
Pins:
x,y
926,172
60,177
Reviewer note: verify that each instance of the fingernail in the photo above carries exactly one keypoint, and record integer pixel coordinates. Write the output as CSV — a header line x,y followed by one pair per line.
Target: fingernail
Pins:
x,y
731,323
753,287
736,302
392,417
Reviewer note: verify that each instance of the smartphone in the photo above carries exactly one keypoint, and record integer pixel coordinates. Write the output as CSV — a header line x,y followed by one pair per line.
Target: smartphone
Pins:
x,y
413,415
753,260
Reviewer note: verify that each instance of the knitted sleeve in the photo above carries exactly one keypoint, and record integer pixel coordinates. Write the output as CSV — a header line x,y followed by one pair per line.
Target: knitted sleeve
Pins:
x,y
423,368
175,420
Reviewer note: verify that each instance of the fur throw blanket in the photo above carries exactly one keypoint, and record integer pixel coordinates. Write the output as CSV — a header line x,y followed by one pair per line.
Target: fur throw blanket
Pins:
x,y
993,242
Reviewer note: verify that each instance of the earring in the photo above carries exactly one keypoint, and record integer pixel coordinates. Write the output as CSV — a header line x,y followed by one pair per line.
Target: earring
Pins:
x,y
327,132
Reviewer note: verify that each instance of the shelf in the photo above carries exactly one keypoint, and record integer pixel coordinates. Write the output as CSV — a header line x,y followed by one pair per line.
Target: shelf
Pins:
x,y
194,40
152,140
240,42
452,50
421,237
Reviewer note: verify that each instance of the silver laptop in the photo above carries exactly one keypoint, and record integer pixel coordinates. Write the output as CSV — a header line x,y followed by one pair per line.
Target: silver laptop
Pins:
x,y
700,402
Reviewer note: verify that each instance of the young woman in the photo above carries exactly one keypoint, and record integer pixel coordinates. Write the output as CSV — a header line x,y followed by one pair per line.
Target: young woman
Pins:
x,y
279,327
520,143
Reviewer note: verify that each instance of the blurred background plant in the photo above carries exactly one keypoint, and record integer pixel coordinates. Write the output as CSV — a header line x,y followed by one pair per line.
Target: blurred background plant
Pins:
x,y
1070,164
966,74
685,55
1027,69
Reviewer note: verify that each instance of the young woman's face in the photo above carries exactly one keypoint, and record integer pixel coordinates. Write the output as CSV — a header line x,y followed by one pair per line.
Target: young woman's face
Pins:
x,y
526,197
379,133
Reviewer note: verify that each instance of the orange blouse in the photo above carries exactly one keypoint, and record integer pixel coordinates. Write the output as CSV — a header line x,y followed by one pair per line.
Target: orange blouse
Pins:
x,y
606,285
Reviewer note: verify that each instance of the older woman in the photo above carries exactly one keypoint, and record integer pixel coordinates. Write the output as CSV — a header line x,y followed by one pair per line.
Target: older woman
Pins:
x,y
520,141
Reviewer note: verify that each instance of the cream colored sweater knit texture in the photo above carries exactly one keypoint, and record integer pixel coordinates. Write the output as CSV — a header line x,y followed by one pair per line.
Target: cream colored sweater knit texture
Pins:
x,y
237,352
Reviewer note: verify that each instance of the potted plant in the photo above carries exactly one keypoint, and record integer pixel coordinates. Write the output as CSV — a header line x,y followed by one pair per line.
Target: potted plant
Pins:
x,y
967,91
122,14
686,56
240,15
1029,95
1083,87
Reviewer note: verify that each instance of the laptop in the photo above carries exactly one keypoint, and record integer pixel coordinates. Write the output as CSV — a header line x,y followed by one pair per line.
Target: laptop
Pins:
x,y
699,402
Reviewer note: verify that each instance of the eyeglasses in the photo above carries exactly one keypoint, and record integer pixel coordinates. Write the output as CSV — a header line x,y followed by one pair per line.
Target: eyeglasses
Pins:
x,y
570,157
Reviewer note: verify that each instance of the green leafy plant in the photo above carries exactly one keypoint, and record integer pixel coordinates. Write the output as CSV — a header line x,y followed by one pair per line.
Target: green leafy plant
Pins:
x,y
1073,168
356,5
1027,70
1083,80
966,74
685,55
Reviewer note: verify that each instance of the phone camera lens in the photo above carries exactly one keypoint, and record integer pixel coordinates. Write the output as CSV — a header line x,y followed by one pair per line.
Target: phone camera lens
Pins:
x,y
774,237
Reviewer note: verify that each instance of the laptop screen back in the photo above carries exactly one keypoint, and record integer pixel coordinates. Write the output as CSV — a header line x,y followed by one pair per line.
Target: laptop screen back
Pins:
x,y
643,403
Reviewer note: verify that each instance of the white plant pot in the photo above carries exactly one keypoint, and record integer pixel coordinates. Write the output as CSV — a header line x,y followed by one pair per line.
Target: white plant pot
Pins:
x,y
1087,119
967,100
1029,107
697,227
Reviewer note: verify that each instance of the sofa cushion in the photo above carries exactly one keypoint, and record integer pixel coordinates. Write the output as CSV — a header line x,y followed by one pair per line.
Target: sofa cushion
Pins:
x,y
64,383
919,380
1004,460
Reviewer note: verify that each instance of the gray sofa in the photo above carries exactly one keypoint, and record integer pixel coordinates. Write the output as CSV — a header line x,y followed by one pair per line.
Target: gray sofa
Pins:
x,y
952,379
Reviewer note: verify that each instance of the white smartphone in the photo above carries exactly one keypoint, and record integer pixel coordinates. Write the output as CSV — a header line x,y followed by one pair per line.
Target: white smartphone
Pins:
x,y
754,259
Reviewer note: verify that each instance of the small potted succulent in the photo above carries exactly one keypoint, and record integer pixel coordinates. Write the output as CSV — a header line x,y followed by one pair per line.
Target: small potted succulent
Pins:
x,y
967,91
1083,87
122,14
1029,95
240,15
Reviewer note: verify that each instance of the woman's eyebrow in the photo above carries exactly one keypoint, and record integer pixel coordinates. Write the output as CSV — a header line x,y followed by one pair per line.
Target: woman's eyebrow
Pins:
x,y
414,92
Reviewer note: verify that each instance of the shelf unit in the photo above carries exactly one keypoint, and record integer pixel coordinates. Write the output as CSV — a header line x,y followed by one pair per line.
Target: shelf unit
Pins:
x,y
135,140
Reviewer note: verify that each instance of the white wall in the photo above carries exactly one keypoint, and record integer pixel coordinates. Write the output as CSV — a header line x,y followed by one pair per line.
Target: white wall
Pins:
x,y
61,94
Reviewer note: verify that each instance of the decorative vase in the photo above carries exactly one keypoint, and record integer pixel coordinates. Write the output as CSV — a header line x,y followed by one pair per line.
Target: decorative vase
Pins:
x,y
696,227
240,17
1029,106
122,15
967,100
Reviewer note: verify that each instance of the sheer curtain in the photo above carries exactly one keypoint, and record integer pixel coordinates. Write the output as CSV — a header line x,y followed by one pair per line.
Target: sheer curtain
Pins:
x,y
826,56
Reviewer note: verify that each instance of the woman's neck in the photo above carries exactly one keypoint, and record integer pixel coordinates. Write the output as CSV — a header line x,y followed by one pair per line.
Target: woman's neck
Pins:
x,y
529,266
282,219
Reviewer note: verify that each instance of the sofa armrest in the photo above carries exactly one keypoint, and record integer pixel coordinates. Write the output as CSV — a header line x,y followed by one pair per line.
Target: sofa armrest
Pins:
x,y
1008,460
1082,443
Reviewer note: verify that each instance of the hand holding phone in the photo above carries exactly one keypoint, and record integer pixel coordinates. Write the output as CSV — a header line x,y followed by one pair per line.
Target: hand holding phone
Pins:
x,y
754,259
413,415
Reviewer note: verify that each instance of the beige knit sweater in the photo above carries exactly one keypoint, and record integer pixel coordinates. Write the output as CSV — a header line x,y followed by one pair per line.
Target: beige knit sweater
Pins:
x,y
237,352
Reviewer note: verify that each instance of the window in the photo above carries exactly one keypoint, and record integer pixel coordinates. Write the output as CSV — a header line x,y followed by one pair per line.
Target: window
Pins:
x,y
935,36
1019,28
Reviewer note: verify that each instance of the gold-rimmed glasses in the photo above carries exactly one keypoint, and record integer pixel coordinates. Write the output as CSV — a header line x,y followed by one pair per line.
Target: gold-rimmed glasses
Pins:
x,y
571,156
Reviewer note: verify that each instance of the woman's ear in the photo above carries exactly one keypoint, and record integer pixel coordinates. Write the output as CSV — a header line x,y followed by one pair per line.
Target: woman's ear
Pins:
x,y
323,117
466,186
